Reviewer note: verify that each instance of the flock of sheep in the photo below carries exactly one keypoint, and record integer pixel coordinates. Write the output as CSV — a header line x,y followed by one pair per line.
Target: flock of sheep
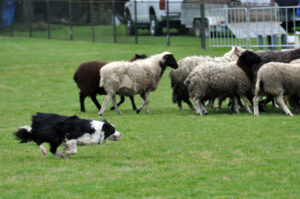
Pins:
x,y
238,75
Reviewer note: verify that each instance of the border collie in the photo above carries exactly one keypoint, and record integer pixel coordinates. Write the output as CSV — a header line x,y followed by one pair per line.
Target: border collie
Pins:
x,y
56,129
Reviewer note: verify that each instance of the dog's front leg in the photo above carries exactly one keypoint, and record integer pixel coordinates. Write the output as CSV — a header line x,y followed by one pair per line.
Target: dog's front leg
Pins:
x,y
70,147
43,149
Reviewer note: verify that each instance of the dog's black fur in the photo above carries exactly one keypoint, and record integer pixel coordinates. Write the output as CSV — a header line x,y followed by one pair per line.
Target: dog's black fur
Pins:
x,y
54,129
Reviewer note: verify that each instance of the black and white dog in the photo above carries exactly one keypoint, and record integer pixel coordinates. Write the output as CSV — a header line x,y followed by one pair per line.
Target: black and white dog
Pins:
x,y
56,129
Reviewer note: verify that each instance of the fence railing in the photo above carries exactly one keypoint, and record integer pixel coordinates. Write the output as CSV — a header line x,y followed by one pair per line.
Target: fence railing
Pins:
x,y
259,27
107,21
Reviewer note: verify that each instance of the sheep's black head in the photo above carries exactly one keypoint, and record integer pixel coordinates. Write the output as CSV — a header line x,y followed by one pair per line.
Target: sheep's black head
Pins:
x,y
169,60
249,62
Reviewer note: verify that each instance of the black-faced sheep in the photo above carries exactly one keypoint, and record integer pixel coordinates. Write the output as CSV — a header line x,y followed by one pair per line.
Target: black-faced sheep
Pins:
x,y
277,79
186,65
251,63
218,79
130,78
87,78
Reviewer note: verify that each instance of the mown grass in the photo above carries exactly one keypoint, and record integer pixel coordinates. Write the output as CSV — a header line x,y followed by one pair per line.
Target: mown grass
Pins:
x,y
165,154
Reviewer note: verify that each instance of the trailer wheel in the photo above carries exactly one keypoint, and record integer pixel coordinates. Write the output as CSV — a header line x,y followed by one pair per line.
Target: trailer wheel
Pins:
x,y
154,26
197,28
129,25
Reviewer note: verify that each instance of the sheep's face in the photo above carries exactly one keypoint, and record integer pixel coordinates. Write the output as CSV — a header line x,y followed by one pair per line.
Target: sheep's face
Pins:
x,y
249,62
248,59
169,60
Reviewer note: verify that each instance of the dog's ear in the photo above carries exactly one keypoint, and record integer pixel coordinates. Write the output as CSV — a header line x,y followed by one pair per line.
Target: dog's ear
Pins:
x,y
108,129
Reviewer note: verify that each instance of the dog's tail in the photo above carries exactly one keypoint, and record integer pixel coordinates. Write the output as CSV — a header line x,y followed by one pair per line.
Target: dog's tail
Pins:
x,y
23,134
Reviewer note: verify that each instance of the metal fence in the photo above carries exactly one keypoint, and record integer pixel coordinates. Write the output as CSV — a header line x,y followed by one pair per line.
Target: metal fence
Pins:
x,y
259,27
89,20
107,22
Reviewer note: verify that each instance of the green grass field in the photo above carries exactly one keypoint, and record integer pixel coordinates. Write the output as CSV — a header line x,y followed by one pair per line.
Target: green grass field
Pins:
x,y
164,154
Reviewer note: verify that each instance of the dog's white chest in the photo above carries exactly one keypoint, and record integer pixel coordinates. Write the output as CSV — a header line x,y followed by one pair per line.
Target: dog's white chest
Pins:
x,y
87,139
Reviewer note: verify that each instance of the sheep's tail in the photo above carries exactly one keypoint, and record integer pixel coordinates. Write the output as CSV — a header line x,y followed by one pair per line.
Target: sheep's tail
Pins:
x,y
23,134
75,78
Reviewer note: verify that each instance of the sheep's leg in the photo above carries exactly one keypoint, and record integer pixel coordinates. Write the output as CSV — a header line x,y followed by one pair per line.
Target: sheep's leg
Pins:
x,y
190,105
120,102
197,106
94,99
115,104
275,105
81,100
256,100
211,103
132,102
236,104
244,98
146,103
203,108
283,106
104,104
220,100
179,104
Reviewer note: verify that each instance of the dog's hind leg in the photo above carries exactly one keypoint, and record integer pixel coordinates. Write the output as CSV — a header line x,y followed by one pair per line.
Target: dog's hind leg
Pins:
x,y
53,150
43,149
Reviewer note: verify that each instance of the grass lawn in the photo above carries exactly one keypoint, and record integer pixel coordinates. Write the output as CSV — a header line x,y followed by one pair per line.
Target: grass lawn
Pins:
x,y
165,154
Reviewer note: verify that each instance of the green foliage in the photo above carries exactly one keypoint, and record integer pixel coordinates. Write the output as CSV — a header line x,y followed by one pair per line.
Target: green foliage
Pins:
x,y
164,154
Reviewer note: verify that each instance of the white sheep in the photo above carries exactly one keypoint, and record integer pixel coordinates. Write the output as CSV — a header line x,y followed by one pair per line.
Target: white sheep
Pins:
x,y
218,80
186,65
131,78
277,79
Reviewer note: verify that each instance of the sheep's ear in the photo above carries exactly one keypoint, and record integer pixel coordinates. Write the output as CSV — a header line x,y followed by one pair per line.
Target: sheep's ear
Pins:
x,y
236,50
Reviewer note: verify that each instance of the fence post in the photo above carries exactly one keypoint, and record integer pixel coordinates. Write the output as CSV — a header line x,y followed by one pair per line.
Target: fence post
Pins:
x,y
70,19
92,21
48,18
135,23
30,18
168,25
114,20
248,22
11,18
202,26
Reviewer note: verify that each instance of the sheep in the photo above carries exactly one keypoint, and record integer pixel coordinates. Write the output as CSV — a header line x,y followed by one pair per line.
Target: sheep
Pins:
x,y
296,61
130,78
186,65
250,63
277,79
87,78
218,79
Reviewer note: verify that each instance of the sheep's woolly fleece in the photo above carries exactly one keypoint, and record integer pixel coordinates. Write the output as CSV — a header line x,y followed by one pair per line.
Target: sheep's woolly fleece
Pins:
x,y
137,77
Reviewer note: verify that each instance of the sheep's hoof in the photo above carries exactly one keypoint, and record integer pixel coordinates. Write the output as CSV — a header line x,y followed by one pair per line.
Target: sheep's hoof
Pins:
x,y
100,114
205,113
199,114
112,108
138,111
